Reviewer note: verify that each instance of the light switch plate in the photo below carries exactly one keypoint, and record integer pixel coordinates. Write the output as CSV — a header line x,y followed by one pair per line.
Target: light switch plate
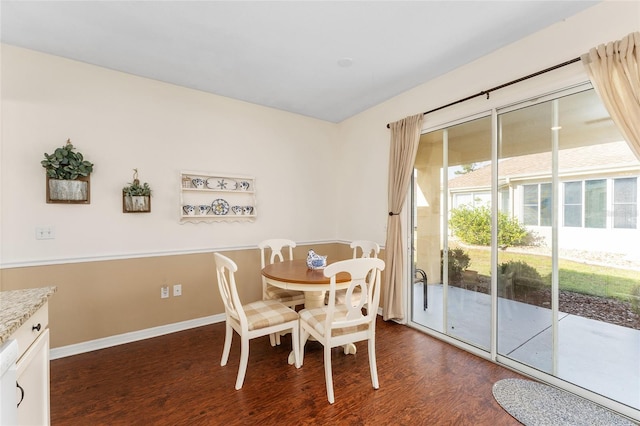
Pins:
x,y
45,233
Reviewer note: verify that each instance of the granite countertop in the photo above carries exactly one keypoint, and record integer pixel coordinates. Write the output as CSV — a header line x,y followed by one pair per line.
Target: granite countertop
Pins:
x,y
17,306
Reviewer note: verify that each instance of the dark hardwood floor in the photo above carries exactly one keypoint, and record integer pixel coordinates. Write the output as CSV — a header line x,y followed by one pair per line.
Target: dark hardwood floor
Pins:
x,y
177,380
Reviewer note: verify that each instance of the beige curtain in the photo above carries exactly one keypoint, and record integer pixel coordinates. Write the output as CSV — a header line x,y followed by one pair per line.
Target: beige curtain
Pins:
x,y
614,70
405,135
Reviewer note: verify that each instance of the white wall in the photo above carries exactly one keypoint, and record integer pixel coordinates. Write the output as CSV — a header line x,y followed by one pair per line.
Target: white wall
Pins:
x,y
365,138
121,122
315,180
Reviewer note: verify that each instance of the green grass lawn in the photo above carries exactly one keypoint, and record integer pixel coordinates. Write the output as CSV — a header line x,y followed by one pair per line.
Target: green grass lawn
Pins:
x,y
573,276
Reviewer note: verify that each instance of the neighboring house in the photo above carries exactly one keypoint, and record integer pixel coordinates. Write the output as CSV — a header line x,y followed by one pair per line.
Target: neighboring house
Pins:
x,y
598,195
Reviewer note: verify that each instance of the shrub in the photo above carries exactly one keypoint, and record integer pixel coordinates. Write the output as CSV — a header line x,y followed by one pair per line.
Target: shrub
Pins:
x,y
473,226
458,261
523,273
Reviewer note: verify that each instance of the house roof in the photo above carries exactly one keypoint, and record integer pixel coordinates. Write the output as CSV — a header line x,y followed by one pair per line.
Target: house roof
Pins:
x,y
593,158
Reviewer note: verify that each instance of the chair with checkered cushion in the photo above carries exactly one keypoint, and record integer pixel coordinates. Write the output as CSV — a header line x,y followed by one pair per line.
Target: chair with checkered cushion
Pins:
x,y
361,248
252,320
272,250
338,324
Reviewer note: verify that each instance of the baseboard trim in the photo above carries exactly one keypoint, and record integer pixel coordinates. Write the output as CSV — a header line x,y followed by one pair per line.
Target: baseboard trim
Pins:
x,y
134,336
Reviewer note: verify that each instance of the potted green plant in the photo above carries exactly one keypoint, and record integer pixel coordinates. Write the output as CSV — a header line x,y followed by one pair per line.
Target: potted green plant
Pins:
x,y
136,198
67,175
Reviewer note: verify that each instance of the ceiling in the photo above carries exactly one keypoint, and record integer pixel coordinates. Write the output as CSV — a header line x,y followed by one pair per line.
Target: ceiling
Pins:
x,y
324,59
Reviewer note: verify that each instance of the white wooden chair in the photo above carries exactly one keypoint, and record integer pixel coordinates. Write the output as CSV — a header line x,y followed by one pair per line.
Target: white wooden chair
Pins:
x,y
251,320
340,324
366,248
291,298
363,249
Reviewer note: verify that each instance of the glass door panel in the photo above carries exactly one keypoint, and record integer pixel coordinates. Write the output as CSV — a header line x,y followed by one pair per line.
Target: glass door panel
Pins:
x,y
468,230
525,166
427,237
574,181
458,301
598,344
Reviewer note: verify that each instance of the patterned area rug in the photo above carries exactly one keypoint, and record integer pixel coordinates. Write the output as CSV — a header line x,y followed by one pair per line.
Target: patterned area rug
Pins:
x,y
533,403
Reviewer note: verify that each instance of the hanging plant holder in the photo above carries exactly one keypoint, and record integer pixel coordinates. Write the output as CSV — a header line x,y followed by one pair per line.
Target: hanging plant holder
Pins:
x,y
136,198
77,191
68,176
136,204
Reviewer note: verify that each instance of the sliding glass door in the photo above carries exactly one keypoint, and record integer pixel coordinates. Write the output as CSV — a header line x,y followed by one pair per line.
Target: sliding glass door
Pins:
x,y
526,222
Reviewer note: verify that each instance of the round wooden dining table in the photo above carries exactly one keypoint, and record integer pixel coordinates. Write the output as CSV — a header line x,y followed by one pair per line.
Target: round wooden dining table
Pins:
x,y
295,275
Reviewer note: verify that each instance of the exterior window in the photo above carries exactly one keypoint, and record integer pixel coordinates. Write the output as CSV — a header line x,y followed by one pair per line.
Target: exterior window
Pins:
x,y
573,204
505,201
475,199
625,206
545,204
595,203
537,204
530,211
482,199
462,200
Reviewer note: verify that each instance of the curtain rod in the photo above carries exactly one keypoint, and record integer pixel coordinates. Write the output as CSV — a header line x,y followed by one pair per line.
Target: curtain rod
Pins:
x,y
488,91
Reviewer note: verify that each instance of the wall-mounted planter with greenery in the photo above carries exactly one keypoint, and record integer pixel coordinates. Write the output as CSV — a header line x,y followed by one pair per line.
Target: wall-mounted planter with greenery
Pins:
x,y
68,176
136,198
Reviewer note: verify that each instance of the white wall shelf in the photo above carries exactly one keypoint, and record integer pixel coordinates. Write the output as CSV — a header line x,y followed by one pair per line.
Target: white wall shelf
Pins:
x,y
216,197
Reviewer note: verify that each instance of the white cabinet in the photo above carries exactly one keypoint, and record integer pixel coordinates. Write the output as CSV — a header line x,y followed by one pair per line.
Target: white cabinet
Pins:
x,y
216,197
33,369
8,376
33,379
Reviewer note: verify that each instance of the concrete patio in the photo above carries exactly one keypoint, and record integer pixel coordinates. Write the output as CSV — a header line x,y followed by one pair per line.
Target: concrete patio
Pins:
x,y
595,355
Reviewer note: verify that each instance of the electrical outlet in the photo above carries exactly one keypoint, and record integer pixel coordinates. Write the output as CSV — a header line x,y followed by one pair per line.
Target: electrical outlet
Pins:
x,y
177,289
164,291
45,233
